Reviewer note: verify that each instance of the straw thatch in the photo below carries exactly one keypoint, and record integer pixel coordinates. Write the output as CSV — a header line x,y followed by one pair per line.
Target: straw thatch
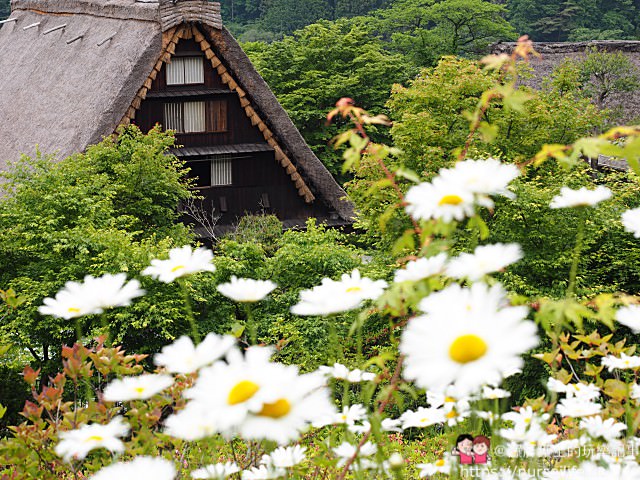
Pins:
x,y
553,54
64,89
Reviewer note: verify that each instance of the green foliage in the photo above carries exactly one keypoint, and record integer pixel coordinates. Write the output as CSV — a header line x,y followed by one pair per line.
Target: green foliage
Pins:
x,y
574,20
5,9
604,74
106,211
424,30
323,62
264,230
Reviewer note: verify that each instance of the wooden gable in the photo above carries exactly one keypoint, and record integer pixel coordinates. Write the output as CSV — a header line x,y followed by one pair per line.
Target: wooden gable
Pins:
x,y
241,167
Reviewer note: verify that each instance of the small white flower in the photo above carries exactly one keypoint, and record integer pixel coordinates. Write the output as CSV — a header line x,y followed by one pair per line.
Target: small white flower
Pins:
x,y
629,316
285,457
182,261
218,471
141,387
607,429
183,357
624,362
494,393
484,260
583,391
635,391
422,417
76,444
262,473
580,198
341,372
246,290
345,451
555,385
440,199
391,425
577,407
421,268
442,465
483,177
338,296
92,296
631,221
140,468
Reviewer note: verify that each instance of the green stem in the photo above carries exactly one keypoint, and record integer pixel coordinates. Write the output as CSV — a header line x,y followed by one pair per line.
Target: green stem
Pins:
x,y
78,330
251,324
189,311
577,250
106,329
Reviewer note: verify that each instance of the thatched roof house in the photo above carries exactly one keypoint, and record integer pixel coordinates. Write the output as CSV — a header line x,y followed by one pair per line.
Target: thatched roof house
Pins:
x,y
553,54
72,71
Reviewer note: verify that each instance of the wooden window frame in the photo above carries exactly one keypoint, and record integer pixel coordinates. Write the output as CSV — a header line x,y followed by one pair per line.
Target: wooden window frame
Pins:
x,y
182,61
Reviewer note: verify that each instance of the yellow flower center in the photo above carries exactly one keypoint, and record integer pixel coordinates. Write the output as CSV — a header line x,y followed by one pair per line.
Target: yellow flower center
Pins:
x,y
449,399
139,390
95,438
450,200
467,348
451,414
176,268
354,289
422,420
73,310
242,392
440,462
277,409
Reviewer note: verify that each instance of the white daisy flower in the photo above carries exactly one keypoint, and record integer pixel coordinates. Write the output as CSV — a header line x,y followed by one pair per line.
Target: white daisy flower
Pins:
x,y
607,429
483,177
484,260
555,385
421,268
624,362
263,473
76,444
467,338
194,422
494,393
285,457
233,389
629,316
345,451
634,394
583,391
183,357
391,425
577,407
338,296
531,439
140,468
526,416
442,465
582,197
631,221
246,290
299,402
92,296
422,417
341,372
141,387
439,199
182,261
359,429
217,471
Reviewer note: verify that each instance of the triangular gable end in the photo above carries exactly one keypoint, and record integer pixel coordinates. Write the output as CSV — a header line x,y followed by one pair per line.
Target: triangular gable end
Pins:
x,y
170,40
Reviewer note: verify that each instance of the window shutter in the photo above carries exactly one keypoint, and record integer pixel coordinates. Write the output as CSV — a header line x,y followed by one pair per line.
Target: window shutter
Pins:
x,y
194,119
175,71
193,70
217,116
173,117
221,171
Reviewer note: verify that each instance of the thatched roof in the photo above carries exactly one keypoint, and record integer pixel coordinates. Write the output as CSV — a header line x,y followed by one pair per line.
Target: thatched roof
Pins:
x,y
554,53
65,88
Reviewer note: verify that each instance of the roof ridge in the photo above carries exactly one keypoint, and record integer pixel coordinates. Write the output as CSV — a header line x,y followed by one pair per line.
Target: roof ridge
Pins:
x,y
168,13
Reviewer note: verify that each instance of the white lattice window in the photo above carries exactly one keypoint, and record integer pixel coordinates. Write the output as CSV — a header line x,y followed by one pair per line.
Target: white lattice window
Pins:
x,y
185,71
221,171
185,117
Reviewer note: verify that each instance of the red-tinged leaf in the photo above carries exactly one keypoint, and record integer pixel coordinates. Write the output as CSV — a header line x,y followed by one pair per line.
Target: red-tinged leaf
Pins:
x,y
30,375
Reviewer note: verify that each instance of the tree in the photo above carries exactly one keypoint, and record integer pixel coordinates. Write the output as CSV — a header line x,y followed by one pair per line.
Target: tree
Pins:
x,y
424,30
607,73
321,63
108,210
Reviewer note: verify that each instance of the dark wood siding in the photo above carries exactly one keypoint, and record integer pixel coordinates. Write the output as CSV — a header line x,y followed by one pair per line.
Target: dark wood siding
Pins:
x,y
259,183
